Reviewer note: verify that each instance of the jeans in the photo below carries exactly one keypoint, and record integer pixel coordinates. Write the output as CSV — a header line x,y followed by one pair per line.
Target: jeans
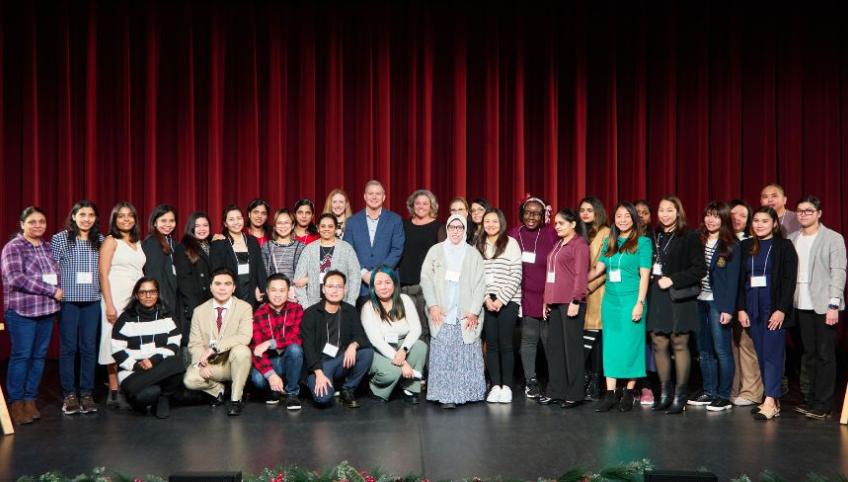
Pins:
x,y
78,324
288,365
334,369
714,344
30,338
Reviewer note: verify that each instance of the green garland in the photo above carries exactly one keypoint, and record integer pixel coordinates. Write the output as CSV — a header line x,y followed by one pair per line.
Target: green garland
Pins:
x,y
344,472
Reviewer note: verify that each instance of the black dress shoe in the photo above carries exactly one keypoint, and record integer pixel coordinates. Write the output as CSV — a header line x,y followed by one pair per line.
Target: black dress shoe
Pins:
x,y
217,401
412,398
569,404
235,408
349,399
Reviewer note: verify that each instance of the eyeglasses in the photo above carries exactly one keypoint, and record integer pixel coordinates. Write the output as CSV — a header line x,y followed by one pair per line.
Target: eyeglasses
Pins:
x,y
455,228
148,292
806,212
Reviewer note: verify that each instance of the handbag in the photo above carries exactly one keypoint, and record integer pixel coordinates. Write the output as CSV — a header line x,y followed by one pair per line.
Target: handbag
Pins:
x,y
684,294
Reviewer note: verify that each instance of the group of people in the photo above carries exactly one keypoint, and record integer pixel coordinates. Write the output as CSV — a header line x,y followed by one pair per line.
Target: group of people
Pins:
x,y
292,299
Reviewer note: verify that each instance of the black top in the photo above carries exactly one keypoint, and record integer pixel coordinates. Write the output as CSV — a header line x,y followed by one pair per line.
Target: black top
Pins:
x,y
784,273
160,266
682,258
193,287
221,255
419,240
314,329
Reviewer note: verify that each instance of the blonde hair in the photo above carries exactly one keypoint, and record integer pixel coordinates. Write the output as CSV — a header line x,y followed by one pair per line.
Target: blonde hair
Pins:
x,y
328,204
434,205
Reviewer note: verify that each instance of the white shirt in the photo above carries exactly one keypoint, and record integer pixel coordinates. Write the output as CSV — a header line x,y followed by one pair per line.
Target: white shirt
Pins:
x,y
803,245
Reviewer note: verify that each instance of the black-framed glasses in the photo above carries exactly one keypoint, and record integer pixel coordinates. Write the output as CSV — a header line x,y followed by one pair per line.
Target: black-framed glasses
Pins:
x,y
805,212
148,292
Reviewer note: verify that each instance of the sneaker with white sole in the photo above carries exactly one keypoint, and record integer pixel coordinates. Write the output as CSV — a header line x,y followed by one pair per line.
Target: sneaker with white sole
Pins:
x,y
701,400
494,394
647,397
506,394
71,405
719,404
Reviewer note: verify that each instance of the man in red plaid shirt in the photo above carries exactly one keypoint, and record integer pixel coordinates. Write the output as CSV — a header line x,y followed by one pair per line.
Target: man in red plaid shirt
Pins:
x,y
277,344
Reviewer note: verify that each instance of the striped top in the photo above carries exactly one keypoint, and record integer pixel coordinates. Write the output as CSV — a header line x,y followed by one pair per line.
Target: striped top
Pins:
x,y
282,258
142,334
79,264
706,289
503,274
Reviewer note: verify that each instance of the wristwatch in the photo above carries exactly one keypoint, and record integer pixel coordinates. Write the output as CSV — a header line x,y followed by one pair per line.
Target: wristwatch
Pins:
x,y
832,307
404,348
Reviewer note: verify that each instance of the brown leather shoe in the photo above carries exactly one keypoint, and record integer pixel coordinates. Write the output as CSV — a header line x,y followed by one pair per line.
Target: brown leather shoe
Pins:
x,y
19,413
32,410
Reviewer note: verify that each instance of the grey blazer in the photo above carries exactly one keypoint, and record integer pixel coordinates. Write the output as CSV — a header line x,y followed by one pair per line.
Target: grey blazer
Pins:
x,y
344,260
472,288
827,269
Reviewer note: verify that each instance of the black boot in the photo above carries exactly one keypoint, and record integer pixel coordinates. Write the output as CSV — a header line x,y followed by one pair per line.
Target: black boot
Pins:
x,y
664,400
609,401
595,391
679,404
626,403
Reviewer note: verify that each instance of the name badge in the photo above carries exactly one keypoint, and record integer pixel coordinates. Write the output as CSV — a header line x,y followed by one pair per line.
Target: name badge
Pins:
x,y
321,278
50,278
331,350
147,350
657,271
758,282
174,269
551,277
528,257
452,276
84,278
490,279
615,276
243,269
803,277
391,338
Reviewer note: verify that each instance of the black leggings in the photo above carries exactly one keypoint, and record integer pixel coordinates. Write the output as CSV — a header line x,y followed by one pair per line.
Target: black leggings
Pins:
x,y
498,327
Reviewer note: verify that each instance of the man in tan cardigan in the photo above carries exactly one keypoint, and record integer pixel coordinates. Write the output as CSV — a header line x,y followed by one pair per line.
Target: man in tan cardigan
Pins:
x,y
221,329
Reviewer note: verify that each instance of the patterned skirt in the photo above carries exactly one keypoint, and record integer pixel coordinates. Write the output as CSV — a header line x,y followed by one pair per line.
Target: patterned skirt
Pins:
x,y
456,368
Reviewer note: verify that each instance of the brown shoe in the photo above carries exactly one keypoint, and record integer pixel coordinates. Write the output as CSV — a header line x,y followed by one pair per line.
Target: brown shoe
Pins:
x,y
70,405
32,410
19,413
87,403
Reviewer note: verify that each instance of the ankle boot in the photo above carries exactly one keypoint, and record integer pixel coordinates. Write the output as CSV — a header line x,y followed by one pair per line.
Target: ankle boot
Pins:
x,y
609,401
664,400
626,403
679,404
595,391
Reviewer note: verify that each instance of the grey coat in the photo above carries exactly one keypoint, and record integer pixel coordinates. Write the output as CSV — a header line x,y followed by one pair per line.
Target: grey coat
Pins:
x,y
344,260
472,288
827,269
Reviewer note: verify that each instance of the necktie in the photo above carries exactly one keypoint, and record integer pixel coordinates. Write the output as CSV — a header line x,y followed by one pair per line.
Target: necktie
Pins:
x,y
220,319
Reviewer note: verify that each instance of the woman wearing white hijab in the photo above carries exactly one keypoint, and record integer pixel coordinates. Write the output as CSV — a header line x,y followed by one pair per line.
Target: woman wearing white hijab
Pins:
x,y
452,280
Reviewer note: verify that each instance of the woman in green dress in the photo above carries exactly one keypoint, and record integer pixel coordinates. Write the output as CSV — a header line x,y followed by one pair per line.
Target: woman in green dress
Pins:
x,y
627,263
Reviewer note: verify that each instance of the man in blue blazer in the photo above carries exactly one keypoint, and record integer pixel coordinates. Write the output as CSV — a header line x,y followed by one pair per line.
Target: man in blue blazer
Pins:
x,y
376,235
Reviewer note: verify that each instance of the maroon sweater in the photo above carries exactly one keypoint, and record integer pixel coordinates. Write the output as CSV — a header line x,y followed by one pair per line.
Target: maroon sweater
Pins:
x,y
542,241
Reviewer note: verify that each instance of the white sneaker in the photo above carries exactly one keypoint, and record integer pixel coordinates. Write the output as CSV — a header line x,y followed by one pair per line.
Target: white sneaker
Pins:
x,y
743,402
495,394
506,394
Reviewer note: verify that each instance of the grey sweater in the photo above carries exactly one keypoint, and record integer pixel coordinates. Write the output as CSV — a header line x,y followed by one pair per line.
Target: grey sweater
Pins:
x,y
344,260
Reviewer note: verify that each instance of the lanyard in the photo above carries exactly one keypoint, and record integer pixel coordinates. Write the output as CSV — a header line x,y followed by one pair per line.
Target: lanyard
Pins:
x,y
285,317
765,264
138,320
665,248
554,254
339,338
620,255
233,246
535,241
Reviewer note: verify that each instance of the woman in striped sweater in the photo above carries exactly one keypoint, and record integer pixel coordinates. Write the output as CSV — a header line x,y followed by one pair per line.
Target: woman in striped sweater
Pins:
x,y
145,346
502,262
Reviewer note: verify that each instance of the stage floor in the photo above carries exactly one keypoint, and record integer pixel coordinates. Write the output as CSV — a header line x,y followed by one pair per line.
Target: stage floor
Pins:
x,y
520,440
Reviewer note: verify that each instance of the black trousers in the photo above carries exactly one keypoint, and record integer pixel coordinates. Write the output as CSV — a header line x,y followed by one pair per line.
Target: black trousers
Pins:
x,y
150,394
566,358
819,341
498,327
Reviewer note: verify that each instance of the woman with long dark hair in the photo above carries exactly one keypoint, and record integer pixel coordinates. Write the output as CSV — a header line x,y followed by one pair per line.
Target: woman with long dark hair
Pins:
x,y
241,255
716,306
191,258
765,302
502,302
258,211
566,285
77,250
318,259
159,248
305,230
122,261
476,210
627,262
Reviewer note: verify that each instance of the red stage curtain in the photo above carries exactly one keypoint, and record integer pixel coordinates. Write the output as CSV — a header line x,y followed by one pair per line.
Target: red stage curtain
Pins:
x,y
200,104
